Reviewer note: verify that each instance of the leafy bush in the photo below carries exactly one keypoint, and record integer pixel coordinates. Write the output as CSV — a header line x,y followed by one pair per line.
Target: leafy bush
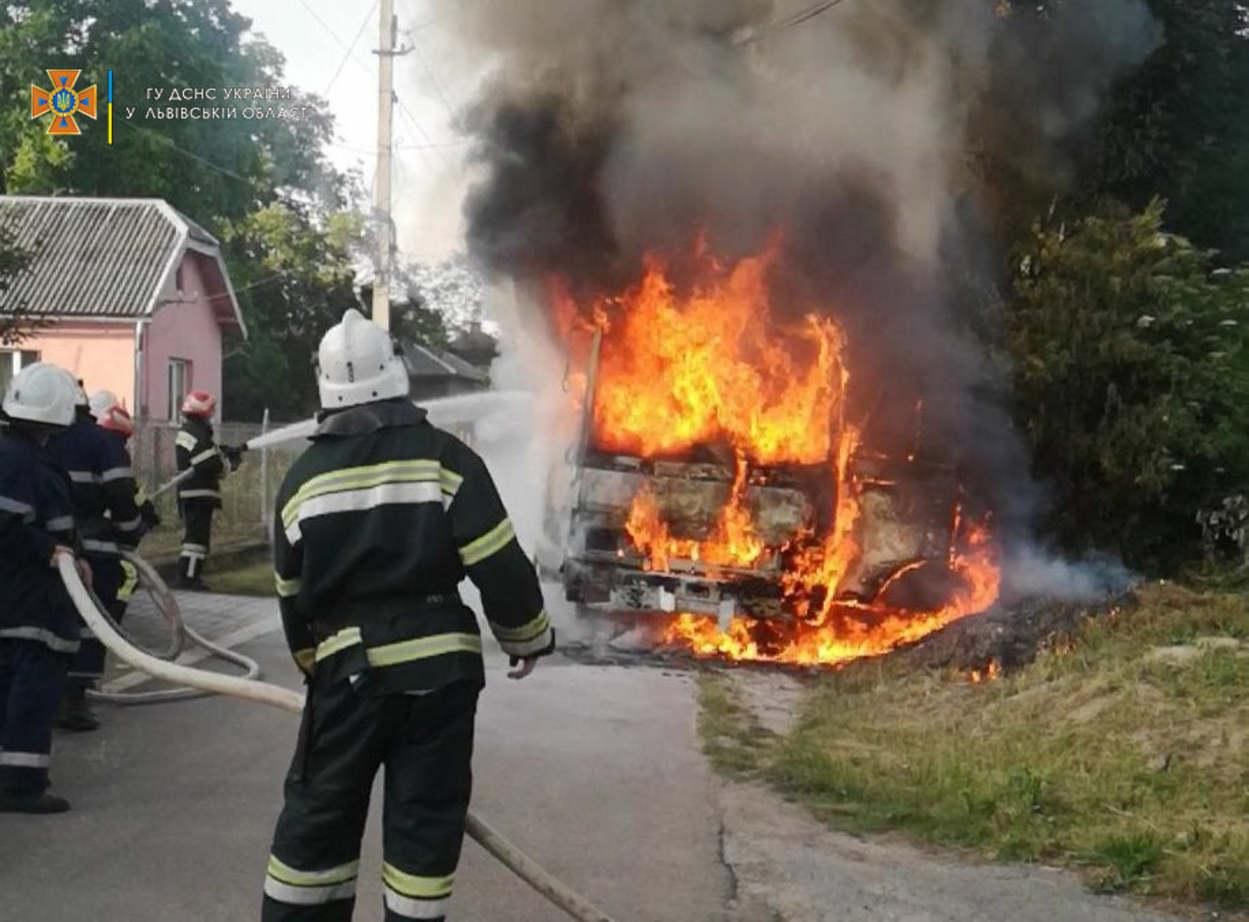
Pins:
x,y
1131,376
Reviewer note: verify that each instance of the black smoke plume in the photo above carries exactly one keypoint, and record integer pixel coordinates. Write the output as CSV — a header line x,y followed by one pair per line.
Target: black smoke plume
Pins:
x,y
886,140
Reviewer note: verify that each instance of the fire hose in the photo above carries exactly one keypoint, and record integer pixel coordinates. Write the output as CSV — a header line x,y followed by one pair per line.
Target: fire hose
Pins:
x,y
249,689
181,633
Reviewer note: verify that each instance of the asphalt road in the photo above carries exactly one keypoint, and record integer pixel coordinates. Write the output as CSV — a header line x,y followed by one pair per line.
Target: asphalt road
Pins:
x,y
592,770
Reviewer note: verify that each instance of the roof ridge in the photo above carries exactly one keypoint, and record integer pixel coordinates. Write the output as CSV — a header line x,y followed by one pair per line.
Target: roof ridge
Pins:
x,y
86,199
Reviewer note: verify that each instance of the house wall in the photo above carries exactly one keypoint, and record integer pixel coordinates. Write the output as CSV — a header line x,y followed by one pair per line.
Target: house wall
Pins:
x,y
185,327
100,353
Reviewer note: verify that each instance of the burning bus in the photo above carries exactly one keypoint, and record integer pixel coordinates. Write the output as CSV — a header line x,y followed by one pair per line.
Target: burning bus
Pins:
x,y
720,478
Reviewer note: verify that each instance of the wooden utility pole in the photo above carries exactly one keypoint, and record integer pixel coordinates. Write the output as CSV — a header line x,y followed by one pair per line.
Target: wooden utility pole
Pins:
x,y
387,28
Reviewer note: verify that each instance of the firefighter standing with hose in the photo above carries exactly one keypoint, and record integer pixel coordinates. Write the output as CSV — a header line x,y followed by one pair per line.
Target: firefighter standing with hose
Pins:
x,y
103,489
118,427
376,525
199,496
39,625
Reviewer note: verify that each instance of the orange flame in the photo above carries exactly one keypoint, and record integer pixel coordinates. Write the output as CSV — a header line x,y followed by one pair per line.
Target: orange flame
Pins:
x,y
843,631
678,371
989,673
733,543
714,367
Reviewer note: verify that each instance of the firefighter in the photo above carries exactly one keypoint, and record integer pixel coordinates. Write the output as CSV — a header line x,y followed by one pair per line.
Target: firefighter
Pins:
x,y
116,420
376,525
200,494
101,402
118,426
39,627
108,520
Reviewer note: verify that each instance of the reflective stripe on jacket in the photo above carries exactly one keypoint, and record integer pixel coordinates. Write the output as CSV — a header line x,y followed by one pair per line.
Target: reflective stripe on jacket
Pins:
x,y
195,448
376,525
36,514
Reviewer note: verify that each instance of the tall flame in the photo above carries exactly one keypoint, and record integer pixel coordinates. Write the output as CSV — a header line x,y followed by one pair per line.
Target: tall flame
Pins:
x,y
714,367
683,371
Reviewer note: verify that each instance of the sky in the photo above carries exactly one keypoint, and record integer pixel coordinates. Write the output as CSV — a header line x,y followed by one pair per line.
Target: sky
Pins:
x,y
429,176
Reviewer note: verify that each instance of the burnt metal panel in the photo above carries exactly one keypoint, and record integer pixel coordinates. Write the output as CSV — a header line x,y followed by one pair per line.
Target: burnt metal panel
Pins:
x,y
691,503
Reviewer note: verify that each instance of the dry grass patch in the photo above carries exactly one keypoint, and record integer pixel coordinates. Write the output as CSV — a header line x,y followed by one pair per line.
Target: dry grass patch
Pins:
x,y
1102,757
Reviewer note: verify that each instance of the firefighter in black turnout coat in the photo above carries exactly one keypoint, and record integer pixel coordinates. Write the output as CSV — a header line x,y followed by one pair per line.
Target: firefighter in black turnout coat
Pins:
x,y
376,525
108,522
39,627
199,496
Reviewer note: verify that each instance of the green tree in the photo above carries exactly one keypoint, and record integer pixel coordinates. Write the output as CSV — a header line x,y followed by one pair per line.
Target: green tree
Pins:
x,y
1131,375
214,170
413,319
1178,126
262,186
296,277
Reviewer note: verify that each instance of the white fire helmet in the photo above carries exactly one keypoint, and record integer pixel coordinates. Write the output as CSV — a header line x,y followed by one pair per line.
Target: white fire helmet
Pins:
x,y
357,364
101,402
42,393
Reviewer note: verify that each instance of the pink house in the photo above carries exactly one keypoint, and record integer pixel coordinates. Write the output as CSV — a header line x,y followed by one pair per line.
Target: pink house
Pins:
x,y
128,294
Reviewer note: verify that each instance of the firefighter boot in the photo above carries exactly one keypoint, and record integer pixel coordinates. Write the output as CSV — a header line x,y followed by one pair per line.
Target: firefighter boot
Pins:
x,y
32,803
75,713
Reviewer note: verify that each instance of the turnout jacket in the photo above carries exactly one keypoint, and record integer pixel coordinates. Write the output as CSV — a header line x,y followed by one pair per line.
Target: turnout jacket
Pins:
x,y
376,525
36,514
196,449
102,486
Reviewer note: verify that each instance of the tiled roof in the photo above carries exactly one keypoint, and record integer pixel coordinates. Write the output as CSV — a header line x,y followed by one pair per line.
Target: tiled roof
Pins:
x,y
423,362
97,257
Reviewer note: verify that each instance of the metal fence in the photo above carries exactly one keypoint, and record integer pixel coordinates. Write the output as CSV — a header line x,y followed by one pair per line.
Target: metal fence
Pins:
x,y
247,495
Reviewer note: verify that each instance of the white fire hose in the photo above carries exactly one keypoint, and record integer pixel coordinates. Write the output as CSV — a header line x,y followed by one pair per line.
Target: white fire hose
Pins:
x,y
167,605
524,867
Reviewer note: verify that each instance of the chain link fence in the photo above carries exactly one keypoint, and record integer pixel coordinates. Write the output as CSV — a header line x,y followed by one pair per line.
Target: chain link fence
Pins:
x,y
247,495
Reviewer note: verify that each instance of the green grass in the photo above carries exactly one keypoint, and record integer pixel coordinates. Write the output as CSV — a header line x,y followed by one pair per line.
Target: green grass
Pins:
x,y
249,579
1101,755
732,738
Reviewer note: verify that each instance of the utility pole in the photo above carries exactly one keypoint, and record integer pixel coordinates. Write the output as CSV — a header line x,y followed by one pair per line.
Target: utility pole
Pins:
x,y
387,27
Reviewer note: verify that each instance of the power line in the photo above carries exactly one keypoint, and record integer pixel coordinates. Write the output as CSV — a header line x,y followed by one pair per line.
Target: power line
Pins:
x,y
325,26
224,171
260,283
435,145
347,49
351,48
433,77
428,141
810,13
796,19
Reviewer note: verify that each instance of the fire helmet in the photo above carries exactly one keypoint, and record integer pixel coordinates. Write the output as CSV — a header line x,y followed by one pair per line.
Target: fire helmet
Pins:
x,y
101,402
42,393
357,364
116,419
199,403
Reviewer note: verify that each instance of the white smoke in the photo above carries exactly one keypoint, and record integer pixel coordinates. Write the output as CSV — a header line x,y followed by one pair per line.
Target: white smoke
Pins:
x,y
1030,572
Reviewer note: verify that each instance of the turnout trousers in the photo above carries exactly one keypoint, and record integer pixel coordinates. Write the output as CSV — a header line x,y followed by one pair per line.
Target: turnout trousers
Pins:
x,y
32,678
113,580
197,522
425,744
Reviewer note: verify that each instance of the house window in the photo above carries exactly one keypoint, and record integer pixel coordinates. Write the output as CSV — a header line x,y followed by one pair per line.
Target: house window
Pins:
x,y
179,384
12,361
